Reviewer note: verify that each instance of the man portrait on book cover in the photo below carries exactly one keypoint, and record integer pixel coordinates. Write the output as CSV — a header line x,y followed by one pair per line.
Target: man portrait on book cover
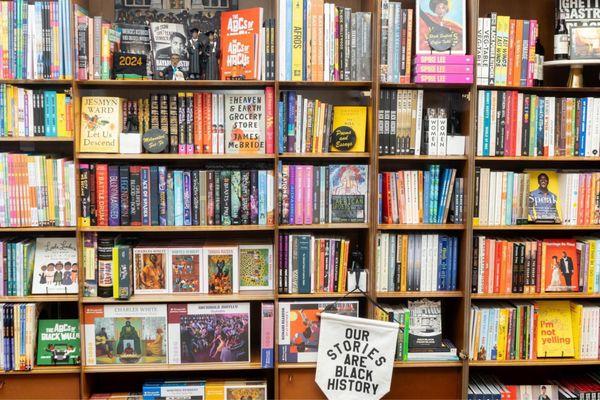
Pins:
x,y
543,395
442,17
566,267
177,46
542,202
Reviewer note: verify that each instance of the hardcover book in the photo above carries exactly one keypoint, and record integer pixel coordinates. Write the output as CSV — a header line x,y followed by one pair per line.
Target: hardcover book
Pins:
x,y
150,270
425,328
348,193
185,265
222,267
554,330
101,124
441,27
212,332
168,38
125,334
245,122
560,265
58,342
256,267
55,269
240,43
544,197
349,128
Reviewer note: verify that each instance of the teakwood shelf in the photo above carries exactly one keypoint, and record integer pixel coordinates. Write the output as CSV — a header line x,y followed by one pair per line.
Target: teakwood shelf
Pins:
x,y
296,381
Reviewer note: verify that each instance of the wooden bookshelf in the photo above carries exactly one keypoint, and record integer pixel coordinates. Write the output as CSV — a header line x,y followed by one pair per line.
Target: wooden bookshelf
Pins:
x,y
37,229
192,228
169,157
47,370
421,227
535,363
415,295
40,298
261,295
36,139
537,227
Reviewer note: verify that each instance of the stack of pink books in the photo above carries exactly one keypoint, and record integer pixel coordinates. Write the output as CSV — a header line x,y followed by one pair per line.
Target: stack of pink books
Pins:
x,y
443,68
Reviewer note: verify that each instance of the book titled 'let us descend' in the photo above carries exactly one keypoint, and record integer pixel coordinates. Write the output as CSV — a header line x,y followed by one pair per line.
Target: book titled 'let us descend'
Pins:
x,y
101,124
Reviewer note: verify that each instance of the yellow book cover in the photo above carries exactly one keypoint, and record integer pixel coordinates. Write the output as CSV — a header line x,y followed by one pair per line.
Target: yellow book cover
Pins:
x,y
591,266
101,124
61,115
297,40
214,390
503,23
576,311
543,201
115,271
554,330
502,333
349,129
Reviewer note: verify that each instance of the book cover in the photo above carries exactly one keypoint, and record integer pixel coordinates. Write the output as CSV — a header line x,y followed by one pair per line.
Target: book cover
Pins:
x,y
349,129
560,265
125,334
249,390
101,124
186,270
267,341
425,328
299,327
56,268
168,38
256,267
222,268
543,201
58,342
212,332
150,270
245,122
554,331
240,42
348,193
441,25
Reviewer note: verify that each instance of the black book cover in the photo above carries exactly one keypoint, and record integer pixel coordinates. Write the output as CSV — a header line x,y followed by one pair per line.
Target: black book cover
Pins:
x,y
380,122
225,197
173,123
235,194
154,120
336,264
84,190
154,202
526,121
245,197
181,111
93,209
210,198
135,192
124,193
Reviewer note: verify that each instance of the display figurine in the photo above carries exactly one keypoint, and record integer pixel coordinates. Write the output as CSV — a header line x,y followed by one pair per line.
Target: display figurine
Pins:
x,y
195,50
212,69
131,124
173,72
453,123
356,259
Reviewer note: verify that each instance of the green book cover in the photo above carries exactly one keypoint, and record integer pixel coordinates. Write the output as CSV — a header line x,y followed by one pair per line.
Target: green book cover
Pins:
x,y
58,342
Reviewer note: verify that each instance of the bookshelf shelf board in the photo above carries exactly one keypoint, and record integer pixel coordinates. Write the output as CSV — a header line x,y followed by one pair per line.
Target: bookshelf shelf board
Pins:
x,y
38,229
35,139
426,86
534,296
404,295
292,296
171,156
420,227
538,227
184,298
202,228
324,84
541,89
66,82
397,364
325,226
310,156
149,83
534,159
559,63
40,298
533,363
422,157
173,367
45,370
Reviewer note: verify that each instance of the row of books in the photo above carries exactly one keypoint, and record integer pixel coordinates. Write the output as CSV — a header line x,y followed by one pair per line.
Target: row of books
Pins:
x,y
113,333
434,196
525,330
419,263
535,266
522,124
336,193
122,195
191,123
312,264
36,190
396,42
400,122
203,389
25,112
322,42
134,267
19,327
35,40
313,126
506,51
539,196
564,387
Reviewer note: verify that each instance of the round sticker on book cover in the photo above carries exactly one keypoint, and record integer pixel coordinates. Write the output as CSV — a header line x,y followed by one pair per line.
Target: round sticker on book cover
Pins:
x,y
441,38
344,138
155,140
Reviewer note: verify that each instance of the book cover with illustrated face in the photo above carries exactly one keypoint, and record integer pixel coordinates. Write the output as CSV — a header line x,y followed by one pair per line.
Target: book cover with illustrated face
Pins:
x,y
256,267
150,275
222,270
348,193
185,267
55,268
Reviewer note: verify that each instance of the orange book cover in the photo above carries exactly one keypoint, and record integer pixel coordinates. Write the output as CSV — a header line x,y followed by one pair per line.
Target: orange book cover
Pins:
x,y
198,123
512,27
504,266
518,52
239,45
207,125
486,271
498,265
560,266
409,34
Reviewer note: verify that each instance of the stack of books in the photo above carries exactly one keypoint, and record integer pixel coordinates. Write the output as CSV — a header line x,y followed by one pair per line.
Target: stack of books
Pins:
x,y
396,42
442,68
19,324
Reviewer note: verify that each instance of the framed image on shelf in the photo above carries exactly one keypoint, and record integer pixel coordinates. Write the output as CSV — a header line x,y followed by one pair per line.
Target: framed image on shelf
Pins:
x,y
441,26
256,267
150,270
185,266
585,43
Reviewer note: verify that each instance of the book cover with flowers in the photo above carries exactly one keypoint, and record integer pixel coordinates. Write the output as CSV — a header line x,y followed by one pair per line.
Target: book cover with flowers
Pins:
x,y
101,124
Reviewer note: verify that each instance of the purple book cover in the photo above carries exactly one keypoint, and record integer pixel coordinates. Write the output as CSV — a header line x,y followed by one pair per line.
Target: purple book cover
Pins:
x,y
443,69
444,78
162,195
279,263
292,187
443,59
187,198
145,180
113,196
254,197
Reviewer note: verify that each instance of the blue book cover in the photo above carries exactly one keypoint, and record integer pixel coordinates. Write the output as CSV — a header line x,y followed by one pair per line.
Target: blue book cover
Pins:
x,y
124,194
170,199
444,183
162,196
154,195
454,263
525,54
178,198
450,255
540,127
426,195
48,112
583,127
291,128
262,200
442,267
280,113
292,194
304,277
435,192
114,218
487,109
288,42
145,184
187,198
510,177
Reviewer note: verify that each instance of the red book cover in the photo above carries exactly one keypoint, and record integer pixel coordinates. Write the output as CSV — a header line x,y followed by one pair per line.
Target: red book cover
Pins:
x,y
386,198
102,194
498,264
270,137
240,32
198,123
207,123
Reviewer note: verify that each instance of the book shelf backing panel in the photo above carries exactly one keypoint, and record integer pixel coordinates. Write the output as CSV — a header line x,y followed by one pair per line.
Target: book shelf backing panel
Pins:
x,y
35,386
62,149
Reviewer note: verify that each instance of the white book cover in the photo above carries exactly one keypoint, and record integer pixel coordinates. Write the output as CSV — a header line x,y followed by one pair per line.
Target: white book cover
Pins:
x,y
384,270
498,203
491,198
480,123
442,132
210,332
550,124
281,33
150,272
596,130
55,268
479,53
590,126
222,270
186,270
256,267
419,124
434,262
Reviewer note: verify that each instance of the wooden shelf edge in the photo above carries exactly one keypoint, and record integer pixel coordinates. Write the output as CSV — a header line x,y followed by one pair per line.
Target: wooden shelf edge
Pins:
x,y
340,155
36,139
120,368
318,84
536,227
291,296
40,298
535,296
173,84
533,363
426,86
403,295
47,369
37,81
39,229
397,364
418,227
170,156
540,158
325,226
421,158
184,298
194,228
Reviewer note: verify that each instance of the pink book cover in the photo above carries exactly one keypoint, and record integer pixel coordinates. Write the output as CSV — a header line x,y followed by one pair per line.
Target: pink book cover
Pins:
x,y
299,189
189,148
182,149
444,78
308,194
443,69
331,265
269,97
443,59
267,336
533,32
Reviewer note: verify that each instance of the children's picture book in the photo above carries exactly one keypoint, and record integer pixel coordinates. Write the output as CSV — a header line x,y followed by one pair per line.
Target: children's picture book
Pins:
x,y
125,334
441,26
554,330
349,129
222,267
211,332
150,270
543,202
256,267
425,327
299,327
560,267
55,269
185,265
58,342
245,130
348,193
254,391
240,43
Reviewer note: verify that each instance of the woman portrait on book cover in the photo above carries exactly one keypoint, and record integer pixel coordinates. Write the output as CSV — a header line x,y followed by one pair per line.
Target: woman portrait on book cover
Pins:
x,y
446,20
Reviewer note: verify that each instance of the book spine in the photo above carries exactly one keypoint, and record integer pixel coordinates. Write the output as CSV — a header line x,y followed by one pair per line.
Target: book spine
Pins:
x,y
113,196
162,196
443,78
270,105
145,195
102,194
